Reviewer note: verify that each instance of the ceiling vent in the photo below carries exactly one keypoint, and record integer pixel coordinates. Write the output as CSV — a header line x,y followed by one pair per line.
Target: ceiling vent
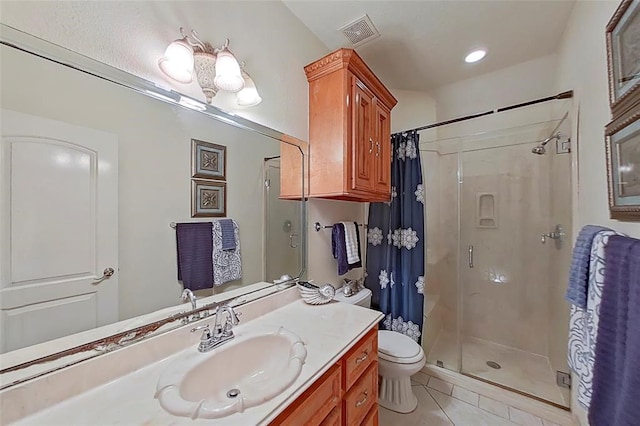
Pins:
x,y
360,31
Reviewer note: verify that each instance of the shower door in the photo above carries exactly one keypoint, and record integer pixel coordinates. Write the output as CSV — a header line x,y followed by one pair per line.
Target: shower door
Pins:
x,y
513,324
282,224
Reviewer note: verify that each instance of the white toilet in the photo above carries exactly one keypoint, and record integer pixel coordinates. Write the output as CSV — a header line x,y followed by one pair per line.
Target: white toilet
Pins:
x,y
399,357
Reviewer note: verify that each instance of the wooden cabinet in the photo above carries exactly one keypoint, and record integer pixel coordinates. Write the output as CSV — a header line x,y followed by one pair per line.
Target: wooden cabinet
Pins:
x,y
349,130
346,395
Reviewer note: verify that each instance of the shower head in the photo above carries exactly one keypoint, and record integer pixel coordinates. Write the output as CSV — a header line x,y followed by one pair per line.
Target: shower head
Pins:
x,y
540,149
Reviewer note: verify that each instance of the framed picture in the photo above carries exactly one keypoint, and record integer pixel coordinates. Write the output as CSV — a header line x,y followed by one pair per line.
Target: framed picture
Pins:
x,y
623,56
208,198
623,165
208,160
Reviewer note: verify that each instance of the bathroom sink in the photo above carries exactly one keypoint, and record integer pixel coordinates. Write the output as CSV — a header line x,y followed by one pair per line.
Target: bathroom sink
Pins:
x,y
243,373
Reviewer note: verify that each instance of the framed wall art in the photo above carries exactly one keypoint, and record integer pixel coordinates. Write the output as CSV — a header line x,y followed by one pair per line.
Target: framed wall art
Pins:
x,y
623,165
623,56
208,160
208,198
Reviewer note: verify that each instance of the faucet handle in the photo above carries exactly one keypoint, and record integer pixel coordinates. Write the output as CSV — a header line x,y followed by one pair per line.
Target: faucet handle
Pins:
x,y
206,331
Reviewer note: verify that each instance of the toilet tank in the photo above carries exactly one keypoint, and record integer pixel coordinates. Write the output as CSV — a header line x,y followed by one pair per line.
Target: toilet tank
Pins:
x,y
361,298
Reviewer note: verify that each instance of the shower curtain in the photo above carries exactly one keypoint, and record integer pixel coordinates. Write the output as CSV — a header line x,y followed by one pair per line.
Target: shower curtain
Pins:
x,y
395,252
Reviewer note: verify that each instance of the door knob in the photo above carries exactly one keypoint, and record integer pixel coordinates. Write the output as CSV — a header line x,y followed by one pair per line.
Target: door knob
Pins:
x,y
106,274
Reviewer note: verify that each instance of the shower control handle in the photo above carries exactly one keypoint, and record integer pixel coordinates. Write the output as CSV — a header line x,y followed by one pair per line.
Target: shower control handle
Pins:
x,y
470,256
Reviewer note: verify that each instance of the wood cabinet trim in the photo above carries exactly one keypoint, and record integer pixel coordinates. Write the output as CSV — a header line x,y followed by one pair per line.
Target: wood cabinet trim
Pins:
x,y
349,58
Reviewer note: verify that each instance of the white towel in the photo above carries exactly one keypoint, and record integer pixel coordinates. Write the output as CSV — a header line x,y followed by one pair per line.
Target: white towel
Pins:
x,y
583,323
351,241
227,264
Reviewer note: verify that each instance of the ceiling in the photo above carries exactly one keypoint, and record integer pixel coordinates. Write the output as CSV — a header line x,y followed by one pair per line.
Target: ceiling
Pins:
x,y
422,44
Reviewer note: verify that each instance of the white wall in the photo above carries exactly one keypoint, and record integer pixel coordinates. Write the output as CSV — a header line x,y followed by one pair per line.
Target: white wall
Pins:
x,y
582,66
133,35
512,85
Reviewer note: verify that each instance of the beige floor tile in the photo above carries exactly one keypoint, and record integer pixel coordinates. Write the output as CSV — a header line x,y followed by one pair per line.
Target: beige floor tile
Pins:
x,y
523,418
428,413
420,378
496,407
463,414
465,395
549,423
440,385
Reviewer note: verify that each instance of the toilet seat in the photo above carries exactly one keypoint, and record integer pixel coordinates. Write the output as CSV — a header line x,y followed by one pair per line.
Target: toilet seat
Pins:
x,y
398,348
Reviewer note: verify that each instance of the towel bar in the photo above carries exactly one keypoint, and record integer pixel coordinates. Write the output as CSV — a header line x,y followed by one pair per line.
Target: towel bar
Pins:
x,y
318,227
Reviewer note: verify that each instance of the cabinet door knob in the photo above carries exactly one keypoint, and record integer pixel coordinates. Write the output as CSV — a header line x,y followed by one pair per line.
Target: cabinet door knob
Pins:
x,y
363,400
378,149
363,357
370,145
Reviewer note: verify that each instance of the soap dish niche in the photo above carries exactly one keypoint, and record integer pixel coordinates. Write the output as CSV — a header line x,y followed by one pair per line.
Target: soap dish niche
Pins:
x,y
487,210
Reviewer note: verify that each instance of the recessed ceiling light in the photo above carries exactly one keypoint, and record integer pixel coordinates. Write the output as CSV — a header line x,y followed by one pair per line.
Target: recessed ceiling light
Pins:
x,y
475,56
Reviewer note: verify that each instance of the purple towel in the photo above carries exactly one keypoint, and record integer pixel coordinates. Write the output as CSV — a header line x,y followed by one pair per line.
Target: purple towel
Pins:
x,y
228,234
616,376
339,247
194,244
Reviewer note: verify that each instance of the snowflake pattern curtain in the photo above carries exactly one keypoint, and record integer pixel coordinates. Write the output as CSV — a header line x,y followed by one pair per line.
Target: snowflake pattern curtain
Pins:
x,y
395,251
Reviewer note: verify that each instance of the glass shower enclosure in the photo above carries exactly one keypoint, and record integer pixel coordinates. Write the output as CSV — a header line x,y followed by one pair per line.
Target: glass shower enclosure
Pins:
x,y
494,306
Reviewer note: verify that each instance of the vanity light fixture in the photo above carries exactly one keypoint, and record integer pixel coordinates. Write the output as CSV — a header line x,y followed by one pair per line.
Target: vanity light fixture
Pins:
x,y
215,68
248,96
475,56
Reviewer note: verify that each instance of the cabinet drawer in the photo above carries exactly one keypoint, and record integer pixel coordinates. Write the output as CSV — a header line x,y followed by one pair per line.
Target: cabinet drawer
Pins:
x,y
312,407
361,397
372,417
356,361
334,418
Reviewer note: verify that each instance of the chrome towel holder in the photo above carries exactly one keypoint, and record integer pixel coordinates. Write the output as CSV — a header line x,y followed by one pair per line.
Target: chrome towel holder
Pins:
x,y
317,226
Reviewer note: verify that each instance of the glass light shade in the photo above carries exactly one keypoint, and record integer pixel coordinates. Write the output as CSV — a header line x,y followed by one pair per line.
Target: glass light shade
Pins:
x,y
248,96
228,76
177,62
205,69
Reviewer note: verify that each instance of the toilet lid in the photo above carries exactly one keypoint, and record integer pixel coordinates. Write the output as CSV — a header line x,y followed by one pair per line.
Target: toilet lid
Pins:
x,y
397,347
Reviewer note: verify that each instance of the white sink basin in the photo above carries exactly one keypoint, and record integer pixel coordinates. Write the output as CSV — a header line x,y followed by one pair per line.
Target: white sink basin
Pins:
x,y
242,373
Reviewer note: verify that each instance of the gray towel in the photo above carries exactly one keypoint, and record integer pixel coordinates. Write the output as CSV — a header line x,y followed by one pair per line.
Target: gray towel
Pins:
x,y
579,273
228,234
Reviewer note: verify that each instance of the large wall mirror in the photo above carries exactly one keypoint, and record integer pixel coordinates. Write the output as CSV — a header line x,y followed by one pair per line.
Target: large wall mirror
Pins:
x,y
75,129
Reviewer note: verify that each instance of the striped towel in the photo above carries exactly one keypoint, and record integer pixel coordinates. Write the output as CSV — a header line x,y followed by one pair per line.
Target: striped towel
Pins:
x,y
579,273
352,243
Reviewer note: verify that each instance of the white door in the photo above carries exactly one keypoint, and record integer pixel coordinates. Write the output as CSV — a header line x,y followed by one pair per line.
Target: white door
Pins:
x,y
58,229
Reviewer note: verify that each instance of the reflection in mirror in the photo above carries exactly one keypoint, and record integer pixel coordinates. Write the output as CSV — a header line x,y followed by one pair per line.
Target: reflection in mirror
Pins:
x,y
92,174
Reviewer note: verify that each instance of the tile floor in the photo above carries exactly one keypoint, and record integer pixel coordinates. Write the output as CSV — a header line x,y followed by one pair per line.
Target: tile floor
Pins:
x,y
444,404
524,371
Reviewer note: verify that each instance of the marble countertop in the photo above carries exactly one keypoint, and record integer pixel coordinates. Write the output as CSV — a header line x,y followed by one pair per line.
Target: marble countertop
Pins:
x,y
328,331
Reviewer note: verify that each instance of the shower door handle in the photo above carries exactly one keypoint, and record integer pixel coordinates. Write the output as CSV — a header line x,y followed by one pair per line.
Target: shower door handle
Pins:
x,y
470,256
293,240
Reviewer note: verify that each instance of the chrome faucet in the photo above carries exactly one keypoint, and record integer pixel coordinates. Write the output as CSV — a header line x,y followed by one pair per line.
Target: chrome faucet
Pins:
x,y
188,295
221,333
